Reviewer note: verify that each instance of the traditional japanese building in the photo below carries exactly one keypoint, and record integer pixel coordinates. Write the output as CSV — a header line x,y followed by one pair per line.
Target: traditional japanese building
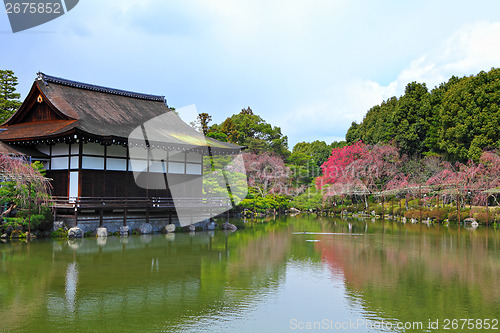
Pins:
x,y
81,133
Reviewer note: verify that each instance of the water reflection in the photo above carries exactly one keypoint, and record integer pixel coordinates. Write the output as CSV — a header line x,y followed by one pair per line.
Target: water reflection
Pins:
x,y
417,274
70,287
257,279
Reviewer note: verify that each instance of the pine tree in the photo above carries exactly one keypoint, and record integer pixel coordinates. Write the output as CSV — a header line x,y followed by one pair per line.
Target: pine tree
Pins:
x,y
9,99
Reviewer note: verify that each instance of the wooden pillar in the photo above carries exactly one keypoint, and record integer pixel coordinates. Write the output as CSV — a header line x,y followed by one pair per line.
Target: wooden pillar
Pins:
x,y
76,215
101,218
104,172
147,211
125,216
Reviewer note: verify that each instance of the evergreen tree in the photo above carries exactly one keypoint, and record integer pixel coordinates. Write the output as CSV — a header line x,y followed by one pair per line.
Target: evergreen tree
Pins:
x,y
9,99
458,120
250,130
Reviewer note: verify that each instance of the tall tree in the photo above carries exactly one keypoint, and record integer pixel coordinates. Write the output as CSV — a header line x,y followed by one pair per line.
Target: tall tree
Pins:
x,y
201,122
267,174
459,119
9,99
360,168
250,130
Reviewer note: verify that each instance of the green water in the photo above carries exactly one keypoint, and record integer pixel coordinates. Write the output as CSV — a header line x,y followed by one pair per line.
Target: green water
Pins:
x,y
270,277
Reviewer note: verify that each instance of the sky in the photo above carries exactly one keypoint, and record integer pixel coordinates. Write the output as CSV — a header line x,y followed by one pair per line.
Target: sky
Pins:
x,y
309,67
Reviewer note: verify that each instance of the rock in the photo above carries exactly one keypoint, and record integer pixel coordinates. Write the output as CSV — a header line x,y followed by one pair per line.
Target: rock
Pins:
x,y
59,225
102,232
4,236
192,228
229,226
124,230
75,232
373,212
146,228
403,220
294,210
169,228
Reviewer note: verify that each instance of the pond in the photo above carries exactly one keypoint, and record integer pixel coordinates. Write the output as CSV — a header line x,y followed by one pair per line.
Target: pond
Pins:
x,y
278,275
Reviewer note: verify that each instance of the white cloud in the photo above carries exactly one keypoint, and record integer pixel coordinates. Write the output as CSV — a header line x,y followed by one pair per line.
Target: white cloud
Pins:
x,y
309,67
468,51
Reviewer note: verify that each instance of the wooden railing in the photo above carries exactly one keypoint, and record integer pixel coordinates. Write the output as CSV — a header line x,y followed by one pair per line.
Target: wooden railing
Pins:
x,y
136,202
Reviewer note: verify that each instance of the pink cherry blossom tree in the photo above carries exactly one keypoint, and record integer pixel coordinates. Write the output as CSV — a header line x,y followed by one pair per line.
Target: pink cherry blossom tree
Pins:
x,y
268,174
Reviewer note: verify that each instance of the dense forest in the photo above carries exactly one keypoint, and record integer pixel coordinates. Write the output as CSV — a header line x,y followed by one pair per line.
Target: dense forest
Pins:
x,y
457,120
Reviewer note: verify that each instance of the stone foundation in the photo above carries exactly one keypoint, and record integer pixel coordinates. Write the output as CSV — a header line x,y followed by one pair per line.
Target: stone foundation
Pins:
x,y
90,223
115,224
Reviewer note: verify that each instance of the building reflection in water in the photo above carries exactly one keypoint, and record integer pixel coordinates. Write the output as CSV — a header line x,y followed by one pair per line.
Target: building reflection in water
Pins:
x,y
70,287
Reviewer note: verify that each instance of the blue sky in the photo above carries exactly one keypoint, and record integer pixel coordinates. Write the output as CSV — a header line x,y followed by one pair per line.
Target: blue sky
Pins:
x,y
310,67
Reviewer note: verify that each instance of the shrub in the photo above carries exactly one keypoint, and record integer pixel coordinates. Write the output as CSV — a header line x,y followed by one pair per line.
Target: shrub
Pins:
x,y
17,234
453,216
438,215
40,222
417,213
335,209
413,203
397,210
347,202
11,224
379,210
60,233
483,217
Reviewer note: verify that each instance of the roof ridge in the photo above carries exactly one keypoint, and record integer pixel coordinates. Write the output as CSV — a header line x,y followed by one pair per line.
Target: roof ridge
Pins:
x,y
75,84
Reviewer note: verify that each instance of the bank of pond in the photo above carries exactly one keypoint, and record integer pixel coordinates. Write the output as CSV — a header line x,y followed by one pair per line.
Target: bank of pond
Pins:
x,y
428,210
42,226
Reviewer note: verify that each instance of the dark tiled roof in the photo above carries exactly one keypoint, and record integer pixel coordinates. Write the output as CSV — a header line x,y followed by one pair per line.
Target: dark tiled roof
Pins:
x,y
52,79
34,130
105,112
